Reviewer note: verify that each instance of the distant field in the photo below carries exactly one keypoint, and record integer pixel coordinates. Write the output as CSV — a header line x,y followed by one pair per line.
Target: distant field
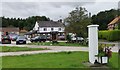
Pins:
x,y
15,49
52,60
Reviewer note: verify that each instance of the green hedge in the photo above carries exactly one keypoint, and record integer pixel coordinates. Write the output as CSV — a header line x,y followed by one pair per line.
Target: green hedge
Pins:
x,y
110,35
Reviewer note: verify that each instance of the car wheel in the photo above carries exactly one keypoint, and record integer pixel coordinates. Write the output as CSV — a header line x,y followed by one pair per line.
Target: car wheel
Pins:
x,y
17,43
24,42
9,42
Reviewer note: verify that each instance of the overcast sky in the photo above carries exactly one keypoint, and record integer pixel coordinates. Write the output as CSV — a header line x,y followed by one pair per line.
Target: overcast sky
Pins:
x,y
51,8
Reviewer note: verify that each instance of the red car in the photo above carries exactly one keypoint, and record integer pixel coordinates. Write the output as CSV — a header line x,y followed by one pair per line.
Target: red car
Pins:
x,y
6,39
13,36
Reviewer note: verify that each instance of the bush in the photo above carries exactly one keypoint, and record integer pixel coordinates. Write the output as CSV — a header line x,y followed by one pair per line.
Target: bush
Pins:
x,y
68,38
111,35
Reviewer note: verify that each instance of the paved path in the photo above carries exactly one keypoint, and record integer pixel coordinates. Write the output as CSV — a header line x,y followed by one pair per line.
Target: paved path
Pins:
x,y
52,49
116,43
116,47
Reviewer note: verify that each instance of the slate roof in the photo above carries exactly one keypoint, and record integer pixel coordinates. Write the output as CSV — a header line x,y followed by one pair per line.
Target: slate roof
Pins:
x,y
50,24
114,21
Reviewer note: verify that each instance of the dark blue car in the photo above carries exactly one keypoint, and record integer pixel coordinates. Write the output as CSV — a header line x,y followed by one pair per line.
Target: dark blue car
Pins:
x,y
21,40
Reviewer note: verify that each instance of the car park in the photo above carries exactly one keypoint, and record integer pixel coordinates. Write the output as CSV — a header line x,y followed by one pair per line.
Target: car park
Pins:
x,y
6,39
21,40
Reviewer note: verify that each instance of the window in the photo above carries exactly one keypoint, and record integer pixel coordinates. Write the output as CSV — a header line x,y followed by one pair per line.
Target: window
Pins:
x,y
45,29
59,29
52,29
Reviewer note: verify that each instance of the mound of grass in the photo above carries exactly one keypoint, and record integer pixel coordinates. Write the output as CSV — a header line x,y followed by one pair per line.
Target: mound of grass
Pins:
x,y
15,49
52,60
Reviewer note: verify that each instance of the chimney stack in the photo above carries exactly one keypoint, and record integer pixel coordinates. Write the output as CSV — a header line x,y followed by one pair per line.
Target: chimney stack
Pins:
x,y
60,20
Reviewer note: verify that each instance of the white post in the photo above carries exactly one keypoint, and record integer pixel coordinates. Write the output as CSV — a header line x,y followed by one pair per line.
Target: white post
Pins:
x,y
0,34
93,42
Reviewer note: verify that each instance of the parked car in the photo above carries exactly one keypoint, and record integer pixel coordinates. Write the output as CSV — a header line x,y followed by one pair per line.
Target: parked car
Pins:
x,y
21,40
77,39
13,36
87,40
6,39
61,37
80,39
38,39
49,38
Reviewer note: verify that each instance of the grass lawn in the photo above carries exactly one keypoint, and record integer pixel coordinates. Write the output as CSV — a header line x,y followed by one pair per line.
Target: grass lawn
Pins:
x,y
59,44
15,49
52,60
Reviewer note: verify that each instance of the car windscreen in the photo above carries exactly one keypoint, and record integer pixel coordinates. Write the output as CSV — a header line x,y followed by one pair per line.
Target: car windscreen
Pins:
x,y
13,34
36,37
43,37
21,37
5,36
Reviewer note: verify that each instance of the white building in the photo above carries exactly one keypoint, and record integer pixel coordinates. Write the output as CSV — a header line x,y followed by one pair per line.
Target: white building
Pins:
x,y
44,27
47,27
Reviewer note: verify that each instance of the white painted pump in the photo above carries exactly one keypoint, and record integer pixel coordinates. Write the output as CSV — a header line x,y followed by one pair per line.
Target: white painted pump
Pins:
x,y
0,34
93,42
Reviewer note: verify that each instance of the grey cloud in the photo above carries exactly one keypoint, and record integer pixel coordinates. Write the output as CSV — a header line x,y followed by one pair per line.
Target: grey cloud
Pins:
x,y
119,5
18,9
25,9
47,0
0,9
71,4
50,9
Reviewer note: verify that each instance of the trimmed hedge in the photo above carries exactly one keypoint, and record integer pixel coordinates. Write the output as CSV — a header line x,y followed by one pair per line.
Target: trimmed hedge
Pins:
x,y
110,35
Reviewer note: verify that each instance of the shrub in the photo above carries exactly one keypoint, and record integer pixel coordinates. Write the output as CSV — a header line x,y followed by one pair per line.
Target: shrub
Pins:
x,y
111,35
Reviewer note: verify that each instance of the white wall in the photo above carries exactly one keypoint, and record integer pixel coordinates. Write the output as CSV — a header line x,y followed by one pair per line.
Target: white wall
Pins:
x,y
49,29
36,27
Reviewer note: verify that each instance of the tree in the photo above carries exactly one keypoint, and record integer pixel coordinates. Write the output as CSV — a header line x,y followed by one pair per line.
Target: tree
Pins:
x,y
119,25
78,20
27,23
103,18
